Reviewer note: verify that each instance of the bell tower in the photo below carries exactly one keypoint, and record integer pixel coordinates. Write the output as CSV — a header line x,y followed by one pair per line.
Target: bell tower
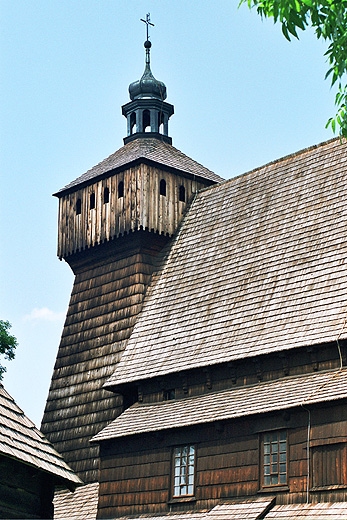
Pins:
x,y
114,221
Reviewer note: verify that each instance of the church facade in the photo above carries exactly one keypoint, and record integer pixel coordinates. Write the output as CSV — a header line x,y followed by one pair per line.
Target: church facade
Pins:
x,y
202,367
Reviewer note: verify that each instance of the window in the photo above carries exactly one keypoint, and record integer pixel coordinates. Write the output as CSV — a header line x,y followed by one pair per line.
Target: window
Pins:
x,y
146,121
182,194
169,395
184,470
274,457
92,201
328,466
78,207
132,123
106,195
162,187
120,189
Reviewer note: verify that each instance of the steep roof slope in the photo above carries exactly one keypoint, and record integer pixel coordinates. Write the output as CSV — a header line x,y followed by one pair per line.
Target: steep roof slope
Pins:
x,y
258,266
21,440
150,149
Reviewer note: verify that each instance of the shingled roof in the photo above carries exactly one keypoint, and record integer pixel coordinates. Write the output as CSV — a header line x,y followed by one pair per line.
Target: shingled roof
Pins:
x,y
262,398
150,149
249,509
259,266
80,505
21,440
320,511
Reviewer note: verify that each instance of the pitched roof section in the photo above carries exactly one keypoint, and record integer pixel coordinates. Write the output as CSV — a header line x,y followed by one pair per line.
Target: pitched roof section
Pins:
x,y
258,266
250,509
229,404
21,440
154,150
320,511
80,505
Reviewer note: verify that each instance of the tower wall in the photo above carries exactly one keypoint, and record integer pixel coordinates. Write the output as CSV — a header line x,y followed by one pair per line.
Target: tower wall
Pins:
x,y
135,202
110,284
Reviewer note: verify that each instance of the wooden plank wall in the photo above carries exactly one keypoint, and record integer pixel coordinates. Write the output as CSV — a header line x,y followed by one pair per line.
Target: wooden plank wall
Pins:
x,y
141,207
135,473
106,298
25,492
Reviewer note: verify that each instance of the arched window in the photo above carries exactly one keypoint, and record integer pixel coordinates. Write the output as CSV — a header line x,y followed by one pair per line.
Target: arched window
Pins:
x,y
146,121
106,195
133,123
182,194
92,201
163,187
120,189
161,122
78,207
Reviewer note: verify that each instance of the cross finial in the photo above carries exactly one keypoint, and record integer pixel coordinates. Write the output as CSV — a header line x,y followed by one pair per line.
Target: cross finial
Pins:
x,y
147,22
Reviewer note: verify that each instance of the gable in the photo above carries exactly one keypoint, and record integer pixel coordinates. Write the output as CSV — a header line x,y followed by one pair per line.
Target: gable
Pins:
x,y
257,267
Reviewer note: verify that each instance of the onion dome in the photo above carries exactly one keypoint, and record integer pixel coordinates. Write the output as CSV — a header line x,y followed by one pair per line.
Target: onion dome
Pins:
x,y
147,86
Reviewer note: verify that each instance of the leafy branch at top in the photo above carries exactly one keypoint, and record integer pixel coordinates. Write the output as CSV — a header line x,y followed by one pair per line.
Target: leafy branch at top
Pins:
x,y
8,344
329,20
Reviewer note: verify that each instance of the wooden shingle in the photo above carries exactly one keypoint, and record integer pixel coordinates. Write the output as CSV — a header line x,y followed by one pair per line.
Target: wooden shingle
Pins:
x,y
80,505
154,150
321,511
259,266
263,397
21,440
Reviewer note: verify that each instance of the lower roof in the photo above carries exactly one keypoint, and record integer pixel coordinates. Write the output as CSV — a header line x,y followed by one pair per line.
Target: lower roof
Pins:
x,y
80,505
22,441
238,402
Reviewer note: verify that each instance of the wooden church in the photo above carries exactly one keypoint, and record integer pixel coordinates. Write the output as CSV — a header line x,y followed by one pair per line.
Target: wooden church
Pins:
x,y
202,371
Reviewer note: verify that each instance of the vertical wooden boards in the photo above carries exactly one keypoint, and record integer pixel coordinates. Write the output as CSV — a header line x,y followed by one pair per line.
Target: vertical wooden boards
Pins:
x,y
138,205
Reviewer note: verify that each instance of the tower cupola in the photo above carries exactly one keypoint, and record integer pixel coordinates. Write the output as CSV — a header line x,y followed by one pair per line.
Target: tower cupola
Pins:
x,y
147,113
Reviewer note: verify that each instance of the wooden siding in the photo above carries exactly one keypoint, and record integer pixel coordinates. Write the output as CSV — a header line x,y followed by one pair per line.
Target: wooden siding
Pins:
x,y
135,473
25,492
141,207
106,298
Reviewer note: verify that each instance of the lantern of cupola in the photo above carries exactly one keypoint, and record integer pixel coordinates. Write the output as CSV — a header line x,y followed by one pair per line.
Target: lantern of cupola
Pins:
x,y
147,113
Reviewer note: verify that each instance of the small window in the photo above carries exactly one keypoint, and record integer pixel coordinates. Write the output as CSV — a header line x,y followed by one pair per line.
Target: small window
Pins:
x,y
78,207
274,456
106,195
184,471
169,395
92,201
120,189
163,187
182,194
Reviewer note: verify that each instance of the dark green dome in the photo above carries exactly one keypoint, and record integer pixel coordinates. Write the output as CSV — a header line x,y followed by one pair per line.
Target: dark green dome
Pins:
x,y
147,86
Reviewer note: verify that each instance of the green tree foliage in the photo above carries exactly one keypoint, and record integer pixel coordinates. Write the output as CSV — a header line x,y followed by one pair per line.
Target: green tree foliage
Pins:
x,y
8,344
329,21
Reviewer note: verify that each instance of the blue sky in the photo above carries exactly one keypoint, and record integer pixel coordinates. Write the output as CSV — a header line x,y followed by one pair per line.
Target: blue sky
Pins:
x,y
243,96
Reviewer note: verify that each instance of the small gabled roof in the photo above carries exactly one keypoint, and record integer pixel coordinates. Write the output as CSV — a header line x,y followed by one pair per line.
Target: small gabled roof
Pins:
x,y
265,397
22,441
148,149
259,266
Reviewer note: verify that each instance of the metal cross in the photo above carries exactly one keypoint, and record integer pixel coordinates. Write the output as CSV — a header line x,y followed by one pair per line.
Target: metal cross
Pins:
x,y
147,22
